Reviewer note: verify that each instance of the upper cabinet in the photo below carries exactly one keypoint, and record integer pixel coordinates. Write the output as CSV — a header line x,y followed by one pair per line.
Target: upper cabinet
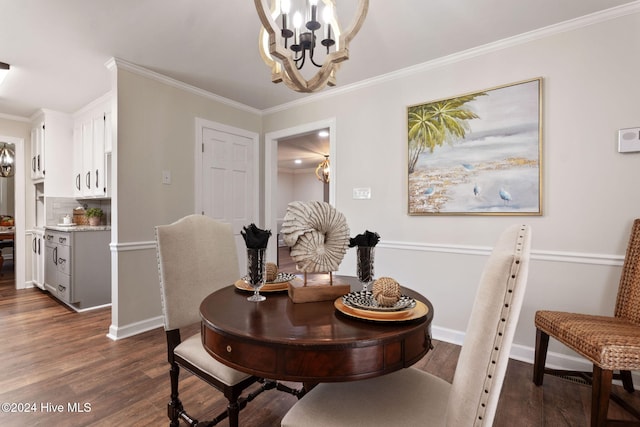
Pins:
x,y
91,140
37,151
51,145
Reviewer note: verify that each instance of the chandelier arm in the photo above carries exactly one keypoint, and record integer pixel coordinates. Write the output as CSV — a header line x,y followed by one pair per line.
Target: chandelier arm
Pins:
x,y
292,74
350,33
322,77
325,75
317,81
311,58
299,64
274,34
299,58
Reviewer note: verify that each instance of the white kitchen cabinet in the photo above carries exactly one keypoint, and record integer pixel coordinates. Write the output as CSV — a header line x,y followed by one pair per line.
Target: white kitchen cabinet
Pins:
x,y
37,151
37,258
51,145
77,160
108,132
91,130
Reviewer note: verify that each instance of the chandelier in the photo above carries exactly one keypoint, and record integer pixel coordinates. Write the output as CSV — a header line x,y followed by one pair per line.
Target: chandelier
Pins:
x,y
324,169
287,44
7,160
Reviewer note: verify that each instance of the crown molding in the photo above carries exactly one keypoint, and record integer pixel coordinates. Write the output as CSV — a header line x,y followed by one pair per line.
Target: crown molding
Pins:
x,y
573,24
98,101
14,118
136,69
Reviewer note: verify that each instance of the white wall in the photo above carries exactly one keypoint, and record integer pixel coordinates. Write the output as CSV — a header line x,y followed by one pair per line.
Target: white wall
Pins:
x,y
295,185
590,197
285,191
307,187
155,121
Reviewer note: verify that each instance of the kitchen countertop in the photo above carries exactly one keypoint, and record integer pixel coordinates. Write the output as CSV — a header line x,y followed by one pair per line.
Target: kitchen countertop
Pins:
x,y
78,227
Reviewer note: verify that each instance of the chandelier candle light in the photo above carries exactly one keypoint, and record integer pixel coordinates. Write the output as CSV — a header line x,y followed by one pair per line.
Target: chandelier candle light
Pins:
x,y
287,44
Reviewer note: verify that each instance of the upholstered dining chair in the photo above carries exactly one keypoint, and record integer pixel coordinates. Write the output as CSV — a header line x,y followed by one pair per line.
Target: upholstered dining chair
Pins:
x,y
609,343
412,397
196,256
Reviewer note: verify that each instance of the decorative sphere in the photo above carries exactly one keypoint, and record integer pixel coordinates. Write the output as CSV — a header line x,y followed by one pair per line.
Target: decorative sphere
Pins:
x,y
386,291
271,272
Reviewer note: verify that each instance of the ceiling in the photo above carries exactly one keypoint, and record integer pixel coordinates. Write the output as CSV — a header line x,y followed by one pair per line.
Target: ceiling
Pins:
x,y
308,148
58,49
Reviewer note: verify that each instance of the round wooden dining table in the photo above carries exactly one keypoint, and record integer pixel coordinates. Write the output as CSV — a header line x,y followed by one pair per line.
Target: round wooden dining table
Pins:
x,y
308,342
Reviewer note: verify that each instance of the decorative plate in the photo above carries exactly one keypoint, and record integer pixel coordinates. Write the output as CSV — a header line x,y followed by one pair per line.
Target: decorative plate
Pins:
x,y
280,278
364,300
418,312
268,287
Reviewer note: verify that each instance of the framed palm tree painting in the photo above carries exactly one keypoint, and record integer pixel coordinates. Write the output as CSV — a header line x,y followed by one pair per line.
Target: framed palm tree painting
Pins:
x,y
477,154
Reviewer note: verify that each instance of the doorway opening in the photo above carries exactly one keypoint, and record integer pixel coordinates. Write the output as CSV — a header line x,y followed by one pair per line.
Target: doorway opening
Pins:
x,y
286,181
19,214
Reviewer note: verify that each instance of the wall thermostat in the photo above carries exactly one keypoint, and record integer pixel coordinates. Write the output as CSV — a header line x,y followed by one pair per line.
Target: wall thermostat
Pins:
x,y
628,140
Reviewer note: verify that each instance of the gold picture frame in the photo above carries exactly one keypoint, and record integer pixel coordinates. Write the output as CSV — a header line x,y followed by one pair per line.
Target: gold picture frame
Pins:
x,y
478,153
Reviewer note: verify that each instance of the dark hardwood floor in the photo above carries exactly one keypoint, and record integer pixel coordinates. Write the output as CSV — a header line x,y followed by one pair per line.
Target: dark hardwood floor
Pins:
x,y
56,361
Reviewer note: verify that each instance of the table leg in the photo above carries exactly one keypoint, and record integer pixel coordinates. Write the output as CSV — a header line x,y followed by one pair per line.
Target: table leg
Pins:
x,y
307,387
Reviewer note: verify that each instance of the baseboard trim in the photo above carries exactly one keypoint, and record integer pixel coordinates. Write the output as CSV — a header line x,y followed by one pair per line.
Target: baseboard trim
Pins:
x,y
95,307
526,354
447,335
120,332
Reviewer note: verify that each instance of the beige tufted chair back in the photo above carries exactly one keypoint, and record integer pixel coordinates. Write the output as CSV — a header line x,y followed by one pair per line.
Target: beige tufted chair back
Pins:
x,y
196,256
485,353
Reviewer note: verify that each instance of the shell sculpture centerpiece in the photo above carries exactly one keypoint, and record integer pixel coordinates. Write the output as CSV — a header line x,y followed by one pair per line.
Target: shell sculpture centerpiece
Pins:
x,y
317,234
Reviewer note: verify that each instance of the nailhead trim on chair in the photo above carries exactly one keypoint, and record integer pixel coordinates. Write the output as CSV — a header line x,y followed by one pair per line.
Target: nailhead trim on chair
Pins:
x,y
500,330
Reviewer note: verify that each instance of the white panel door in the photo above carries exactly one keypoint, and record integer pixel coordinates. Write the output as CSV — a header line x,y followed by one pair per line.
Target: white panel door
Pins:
x,y
228,193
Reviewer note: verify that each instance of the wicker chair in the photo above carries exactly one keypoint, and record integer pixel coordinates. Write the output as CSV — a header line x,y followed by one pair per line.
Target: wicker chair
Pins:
x,y
610,343
196,256
411,397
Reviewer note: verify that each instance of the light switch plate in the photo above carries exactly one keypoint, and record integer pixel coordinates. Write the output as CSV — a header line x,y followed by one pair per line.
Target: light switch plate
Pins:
x,y
362,193
628,140
166,177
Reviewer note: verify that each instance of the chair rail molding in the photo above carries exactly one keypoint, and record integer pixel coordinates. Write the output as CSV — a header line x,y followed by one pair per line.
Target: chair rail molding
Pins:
x,y
540,255
132,246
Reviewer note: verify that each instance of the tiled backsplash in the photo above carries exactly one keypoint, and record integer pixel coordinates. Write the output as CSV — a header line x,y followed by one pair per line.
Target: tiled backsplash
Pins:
x,y
58,207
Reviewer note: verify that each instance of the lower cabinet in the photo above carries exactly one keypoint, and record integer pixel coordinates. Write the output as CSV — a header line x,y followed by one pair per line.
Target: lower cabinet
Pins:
x,y
78,267
37,258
